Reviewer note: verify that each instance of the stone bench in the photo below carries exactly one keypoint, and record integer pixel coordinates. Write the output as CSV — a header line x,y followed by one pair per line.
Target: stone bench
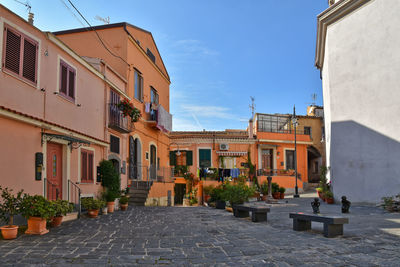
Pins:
x,y
333,225
258,213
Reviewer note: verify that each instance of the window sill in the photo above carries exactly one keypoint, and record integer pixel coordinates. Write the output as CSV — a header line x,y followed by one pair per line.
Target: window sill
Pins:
x,y
87,182
70,100
14,75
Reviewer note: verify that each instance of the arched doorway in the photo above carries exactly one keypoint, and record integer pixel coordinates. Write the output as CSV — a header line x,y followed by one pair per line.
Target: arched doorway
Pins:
x,y
116,162
135,158
153,162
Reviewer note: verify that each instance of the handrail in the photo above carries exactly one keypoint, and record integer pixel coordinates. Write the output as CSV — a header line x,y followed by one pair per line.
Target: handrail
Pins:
x,y
76,199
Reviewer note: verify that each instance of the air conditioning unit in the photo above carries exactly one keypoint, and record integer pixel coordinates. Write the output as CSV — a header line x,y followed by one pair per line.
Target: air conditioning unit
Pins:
x,y
223,146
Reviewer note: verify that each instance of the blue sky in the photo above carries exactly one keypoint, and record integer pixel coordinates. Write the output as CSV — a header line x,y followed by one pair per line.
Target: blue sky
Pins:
x,y
218,52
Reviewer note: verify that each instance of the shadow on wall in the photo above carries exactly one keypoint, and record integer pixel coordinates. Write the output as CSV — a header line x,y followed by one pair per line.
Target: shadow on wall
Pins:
x,y
365,165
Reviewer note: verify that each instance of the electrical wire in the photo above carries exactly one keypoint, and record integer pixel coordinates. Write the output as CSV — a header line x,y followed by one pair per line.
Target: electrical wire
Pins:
x,y
98,36
72,12
26,4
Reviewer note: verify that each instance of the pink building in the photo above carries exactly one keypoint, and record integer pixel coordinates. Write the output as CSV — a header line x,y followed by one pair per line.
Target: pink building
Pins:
x,y
54,121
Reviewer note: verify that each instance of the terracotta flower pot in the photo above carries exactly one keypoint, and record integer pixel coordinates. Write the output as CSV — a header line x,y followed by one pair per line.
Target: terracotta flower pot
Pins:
x,y
330,200
264,198
9,231
282,195
56,221
93,213
206,198
36,226
276,195
110,207
124,206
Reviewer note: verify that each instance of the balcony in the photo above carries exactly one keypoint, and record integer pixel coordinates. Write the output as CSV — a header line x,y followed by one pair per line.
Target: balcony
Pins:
x,y
117,121
159,118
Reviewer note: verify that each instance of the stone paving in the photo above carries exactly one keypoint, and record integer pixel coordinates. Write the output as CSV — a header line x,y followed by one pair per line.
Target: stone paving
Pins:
x,y
202,236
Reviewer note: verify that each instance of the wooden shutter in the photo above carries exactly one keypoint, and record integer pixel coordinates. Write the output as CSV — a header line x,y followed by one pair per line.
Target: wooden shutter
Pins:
x,y
29,60
172,158
13,51
90,167
71,83
141,87
63,78
189,158
84,166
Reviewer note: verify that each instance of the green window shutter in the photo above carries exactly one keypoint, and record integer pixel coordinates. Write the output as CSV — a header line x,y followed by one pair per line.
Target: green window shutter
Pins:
x,y
189,158
205,158
172,158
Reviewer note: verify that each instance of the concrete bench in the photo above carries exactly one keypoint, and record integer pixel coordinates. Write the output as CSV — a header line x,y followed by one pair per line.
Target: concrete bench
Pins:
x,y
333,225
258,213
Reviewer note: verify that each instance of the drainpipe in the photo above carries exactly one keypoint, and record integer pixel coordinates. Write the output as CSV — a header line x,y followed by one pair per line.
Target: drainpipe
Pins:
x,y
104,66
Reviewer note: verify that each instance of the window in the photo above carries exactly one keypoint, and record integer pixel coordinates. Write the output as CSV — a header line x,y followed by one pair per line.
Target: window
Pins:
x,y
184,159
67,81
290,160
153,95
21,55
114,144
307,130
138,86
87,158
204,158
151,56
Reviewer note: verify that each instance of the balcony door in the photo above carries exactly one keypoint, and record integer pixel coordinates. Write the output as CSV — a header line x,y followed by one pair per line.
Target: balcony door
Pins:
x,y
153,162
267,159
114,110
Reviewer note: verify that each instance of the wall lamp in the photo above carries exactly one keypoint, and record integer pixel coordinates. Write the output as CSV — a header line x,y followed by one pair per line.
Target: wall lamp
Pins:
x,y
178,153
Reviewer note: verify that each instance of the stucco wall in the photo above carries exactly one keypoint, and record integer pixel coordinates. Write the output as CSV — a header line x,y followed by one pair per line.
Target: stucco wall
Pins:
x,y
361,99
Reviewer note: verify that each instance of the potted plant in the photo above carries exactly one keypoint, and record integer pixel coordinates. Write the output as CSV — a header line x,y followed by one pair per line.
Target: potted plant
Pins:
x,y
110,199
264,190
123,201
275,191
9,207
282,192
238,193
61,208
207,192
217,195
128,109
92,205
37,210
104,207
329,197
319,191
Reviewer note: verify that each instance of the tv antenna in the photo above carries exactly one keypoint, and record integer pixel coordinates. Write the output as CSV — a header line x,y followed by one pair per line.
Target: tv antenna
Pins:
x,y
314,99
106,20
26,4
252,106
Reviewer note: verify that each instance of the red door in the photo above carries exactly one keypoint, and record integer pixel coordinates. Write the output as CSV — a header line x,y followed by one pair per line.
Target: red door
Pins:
x,y
54,171
267,159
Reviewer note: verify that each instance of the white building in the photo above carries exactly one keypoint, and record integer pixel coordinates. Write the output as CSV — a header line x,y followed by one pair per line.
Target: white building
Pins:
x,y
358,53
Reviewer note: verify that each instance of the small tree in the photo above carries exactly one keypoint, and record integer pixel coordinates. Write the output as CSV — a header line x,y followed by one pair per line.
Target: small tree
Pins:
x,y
109,176
10,205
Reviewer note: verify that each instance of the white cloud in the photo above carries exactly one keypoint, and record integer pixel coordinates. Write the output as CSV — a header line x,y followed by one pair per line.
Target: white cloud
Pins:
x,y
180,124
204,111
190,46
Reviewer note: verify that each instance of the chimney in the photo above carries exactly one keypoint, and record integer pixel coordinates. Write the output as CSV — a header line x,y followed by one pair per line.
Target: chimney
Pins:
x,y
251,134
30,18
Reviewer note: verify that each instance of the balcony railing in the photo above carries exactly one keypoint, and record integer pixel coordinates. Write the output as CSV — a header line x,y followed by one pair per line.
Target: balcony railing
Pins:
x,y
117,121
299,130
152,173
276,172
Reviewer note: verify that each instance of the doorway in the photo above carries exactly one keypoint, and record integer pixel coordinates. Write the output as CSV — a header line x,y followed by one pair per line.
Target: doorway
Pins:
x,y
54,171
267,159
153,162
180,191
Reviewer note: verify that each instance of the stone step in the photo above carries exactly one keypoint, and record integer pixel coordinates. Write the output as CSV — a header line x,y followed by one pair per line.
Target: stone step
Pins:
x,y
138,191
137,199
70,217
137,204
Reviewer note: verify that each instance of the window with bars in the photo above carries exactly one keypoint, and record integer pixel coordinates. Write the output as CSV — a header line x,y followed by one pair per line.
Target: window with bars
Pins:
x,y
87,158
21,55
114,144
138,86
67,80
290,158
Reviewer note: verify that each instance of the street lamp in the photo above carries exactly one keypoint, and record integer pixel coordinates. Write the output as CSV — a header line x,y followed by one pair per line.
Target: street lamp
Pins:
x,y
178,153
294,122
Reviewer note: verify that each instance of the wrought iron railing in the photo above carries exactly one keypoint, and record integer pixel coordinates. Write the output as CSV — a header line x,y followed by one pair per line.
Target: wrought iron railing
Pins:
x,y
152,173
117,121
51,190
275,172
74,196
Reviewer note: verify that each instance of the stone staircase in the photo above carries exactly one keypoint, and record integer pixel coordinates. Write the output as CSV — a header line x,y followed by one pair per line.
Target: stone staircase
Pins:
x,y
138,192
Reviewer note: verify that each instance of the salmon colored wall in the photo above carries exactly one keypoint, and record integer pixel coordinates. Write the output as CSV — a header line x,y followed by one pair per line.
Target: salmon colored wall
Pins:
x,y
19,143
283,181
161,190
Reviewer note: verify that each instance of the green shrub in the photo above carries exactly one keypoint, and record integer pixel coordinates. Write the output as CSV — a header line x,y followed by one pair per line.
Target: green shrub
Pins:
x,y
10,206
91,203
264,188
109,176
124,200
110,195
275,187
282,190
208,189
37,206
328,194
238,193
62,207
218,193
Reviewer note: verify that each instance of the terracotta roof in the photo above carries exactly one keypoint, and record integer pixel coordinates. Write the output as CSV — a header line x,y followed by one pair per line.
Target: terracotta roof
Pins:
x,y
232,134
52,123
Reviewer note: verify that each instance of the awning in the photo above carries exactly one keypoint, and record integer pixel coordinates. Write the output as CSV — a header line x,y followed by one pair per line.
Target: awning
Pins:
x,y
71,140
232,153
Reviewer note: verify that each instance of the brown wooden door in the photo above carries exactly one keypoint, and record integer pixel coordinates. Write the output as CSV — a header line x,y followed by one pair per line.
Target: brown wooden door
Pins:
x,y
54,171
266,157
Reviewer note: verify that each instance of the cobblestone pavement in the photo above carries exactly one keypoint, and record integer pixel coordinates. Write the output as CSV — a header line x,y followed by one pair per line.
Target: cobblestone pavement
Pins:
x,y
201,236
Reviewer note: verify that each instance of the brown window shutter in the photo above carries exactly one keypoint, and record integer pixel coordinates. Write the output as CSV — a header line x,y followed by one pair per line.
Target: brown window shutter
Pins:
x,y
84,166
13,51
141,88
29,61
71,84
63,78
90,167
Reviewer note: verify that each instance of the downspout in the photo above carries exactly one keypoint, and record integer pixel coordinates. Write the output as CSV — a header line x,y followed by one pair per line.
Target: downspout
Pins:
x,y
104,66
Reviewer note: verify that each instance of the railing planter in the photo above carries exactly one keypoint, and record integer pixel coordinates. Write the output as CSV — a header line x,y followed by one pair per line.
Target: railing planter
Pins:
x,y
129,110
